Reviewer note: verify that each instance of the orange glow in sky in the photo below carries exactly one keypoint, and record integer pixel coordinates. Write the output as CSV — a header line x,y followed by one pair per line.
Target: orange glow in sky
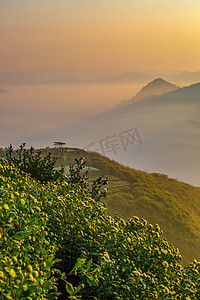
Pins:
x,y
110,34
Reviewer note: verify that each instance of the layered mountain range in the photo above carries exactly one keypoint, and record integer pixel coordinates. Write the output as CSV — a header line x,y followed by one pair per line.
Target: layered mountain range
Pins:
x,y
163,133
76,76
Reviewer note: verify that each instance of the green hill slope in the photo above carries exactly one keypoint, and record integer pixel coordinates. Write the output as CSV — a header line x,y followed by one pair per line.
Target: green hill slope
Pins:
x,y
56,242
174,205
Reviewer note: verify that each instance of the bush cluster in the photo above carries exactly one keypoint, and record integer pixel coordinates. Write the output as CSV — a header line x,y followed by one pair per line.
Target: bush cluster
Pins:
x,y
134,261
56,236
26,253
31,162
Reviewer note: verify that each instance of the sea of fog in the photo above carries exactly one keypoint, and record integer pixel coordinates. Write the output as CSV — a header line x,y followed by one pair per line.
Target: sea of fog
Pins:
x,y
76,114
27,110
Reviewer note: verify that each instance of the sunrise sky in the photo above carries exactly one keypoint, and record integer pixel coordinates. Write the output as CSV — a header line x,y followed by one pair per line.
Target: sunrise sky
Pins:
x,y
110,34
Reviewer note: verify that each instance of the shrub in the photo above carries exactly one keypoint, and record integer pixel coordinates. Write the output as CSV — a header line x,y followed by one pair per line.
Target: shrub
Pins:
x,y
40,168
78,179
26,252
135,261
43,169
97,256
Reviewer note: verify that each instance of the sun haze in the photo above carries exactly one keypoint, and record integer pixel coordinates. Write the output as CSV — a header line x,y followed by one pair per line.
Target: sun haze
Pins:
x,y
110,34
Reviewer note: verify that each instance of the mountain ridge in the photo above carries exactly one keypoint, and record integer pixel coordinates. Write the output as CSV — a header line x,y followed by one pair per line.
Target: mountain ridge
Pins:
x,y
185,91
154,88
69,76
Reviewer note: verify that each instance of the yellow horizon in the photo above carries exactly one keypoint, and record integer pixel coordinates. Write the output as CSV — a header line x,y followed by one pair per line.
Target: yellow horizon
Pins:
x,y
115,35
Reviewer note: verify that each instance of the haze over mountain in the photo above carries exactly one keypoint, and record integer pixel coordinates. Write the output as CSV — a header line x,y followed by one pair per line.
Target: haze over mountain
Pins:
x,y
163,134
178,77
70,75
86,76
155,88
184,77
43,76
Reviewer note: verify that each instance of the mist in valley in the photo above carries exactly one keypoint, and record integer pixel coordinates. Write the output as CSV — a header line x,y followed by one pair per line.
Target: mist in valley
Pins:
x,y
160,134
27,110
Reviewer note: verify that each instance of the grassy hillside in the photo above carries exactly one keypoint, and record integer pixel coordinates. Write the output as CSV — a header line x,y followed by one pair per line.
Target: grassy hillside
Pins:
x,y
174,205
56,242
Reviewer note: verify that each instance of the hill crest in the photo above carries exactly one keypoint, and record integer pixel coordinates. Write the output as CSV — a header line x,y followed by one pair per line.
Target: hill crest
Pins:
x,y
154,88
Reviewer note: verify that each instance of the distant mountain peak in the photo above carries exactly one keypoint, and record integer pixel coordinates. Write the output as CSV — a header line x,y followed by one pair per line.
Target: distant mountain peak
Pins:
x,y
159,83
154,88
158,80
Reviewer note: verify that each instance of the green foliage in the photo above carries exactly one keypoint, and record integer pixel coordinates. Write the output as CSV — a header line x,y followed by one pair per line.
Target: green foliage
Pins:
x,y
40,168
135,261
83,269
78,178
59,226
26,253
174,205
